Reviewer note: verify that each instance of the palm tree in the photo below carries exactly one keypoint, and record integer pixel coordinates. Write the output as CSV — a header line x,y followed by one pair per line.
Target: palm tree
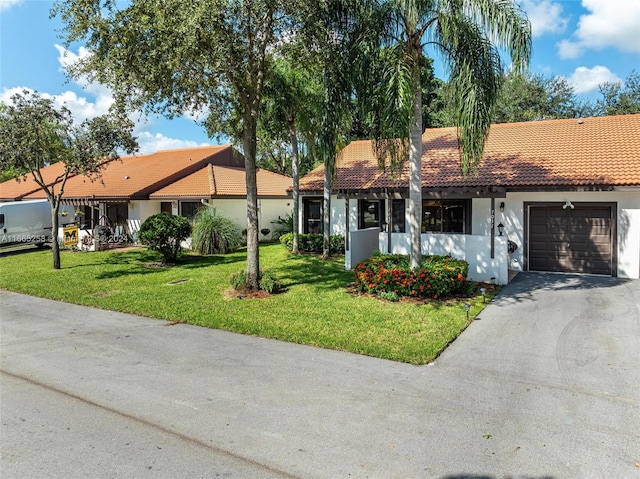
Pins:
x,y
328,31
291,97
467,35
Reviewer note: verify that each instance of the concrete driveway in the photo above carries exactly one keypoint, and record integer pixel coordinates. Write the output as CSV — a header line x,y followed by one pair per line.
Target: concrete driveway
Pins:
x,y
544,384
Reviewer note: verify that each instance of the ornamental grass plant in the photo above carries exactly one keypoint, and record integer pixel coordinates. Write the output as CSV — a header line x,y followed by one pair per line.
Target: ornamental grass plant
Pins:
x,y
214,233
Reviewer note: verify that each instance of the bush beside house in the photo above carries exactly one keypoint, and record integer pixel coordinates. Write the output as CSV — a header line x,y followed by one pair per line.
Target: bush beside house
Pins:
x,y
214,233
310,243
390,276
165,233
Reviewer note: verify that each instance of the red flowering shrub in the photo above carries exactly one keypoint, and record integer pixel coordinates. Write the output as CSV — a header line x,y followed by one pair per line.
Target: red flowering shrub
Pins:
x,y
439,276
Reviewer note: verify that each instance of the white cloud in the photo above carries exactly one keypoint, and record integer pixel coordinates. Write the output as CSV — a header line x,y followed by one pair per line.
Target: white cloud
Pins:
x,y
608,24
568,49
152,142
97,102
545,16
82,109
587,80
7,4
80,106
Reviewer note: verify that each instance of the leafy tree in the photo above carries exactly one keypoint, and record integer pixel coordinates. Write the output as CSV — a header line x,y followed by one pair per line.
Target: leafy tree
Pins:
x,y
165,233
173,56
528,97
466,35
291,99
618,99
330,31
34,134
9,174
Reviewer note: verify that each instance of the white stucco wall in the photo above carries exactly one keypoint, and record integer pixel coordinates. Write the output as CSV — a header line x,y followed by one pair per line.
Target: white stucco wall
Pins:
x,y
476,248
628,222
141,210
268,211
236,209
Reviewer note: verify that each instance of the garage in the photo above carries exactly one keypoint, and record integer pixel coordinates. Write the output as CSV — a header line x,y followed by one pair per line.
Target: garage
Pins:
x,y
571,237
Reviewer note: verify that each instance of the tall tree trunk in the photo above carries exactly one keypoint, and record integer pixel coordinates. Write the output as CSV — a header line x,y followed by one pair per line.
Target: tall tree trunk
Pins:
x,y
415,169
295,171
253,253
326,209
55,245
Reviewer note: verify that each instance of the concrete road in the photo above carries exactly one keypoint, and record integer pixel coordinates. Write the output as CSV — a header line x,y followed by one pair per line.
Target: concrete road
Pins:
x,y
545,384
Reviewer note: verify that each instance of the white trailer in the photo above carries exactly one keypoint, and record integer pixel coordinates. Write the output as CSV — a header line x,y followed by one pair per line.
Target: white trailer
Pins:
x,y
29,222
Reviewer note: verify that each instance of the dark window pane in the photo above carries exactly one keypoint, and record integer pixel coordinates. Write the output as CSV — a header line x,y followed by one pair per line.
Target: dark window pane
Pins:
x,y
399,217
371,214
453,217
444,216
431,216
312,215
188,209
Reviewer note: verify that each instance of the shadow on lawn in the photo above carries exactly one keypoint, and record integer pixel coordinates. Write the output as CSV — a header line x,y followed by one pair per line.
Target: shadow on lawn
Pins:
x,y
149,262
311,269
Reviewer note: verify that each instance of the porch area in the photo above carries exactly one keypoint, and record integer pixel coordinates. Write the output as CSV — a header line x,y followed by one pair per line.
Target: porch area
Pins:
x,y
488,257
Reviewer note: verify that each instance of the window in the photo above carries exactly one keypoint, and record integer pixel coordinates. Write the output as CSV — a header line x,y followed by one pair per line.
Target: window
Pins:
x,y
117,213
188,209
370,214
446,216
2,220
88,216
398,216
166,207
312,215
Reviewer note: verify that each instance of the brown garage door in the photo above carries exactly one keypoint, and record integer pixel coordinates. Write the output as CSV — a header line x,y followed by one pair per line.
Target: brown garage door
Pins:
x,y
571,240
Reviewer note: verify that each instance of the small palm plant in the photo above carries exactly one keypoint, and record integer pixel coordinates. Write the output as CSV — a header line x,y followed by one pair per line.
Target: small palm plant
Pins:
x,y
214,233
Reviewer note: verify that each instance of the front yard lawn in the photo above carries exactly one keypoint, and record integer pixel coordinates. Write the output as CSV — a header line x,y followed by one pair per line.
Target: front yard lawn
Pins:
x,y
317,308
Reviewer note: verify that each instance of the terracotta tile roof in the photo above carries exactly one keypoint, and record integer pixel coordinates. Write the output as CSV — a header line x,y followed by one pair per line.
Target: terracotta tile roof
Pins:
x,y
16,189
600,151
136,176
220,181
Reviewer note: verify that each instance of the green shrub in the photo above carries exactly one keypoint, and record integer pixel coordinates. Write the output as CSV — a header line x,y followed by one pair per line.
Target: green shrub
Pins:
x,y
389,296
214,233
439,276
336,244
238,280
267,281
164,233
308,243
284,226
287,240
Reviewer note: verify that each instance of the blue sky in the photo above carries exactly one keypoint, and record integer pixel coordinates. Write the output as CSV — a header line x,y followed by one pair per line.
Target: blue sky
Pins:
x,y
587,41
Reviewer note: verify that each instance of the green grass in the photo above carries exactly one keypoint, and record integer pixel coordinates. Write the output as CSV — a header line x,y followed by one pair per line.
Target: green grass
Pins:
x,y
316,308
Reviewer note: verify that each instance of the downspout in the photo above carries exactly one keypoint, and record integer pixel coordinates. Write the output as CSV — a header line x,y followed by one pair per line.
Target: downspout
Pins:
x,y
346,223
389,221
493,229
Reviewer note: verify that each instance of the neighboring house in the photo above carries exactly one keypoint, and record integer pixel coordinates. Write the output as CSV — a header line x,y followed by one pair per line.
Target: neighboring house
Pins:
x,y
180,182
565,193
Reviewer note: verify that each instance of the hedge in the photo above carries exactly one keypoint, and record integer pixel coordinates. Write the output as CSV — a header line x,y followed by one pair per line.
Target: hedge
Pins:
x,y
309,243
438,277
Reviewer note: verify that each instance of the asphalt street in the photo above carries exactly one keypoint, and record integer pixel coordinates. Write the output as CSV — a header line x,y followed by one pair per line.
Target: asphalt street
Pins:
x,y
544,384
